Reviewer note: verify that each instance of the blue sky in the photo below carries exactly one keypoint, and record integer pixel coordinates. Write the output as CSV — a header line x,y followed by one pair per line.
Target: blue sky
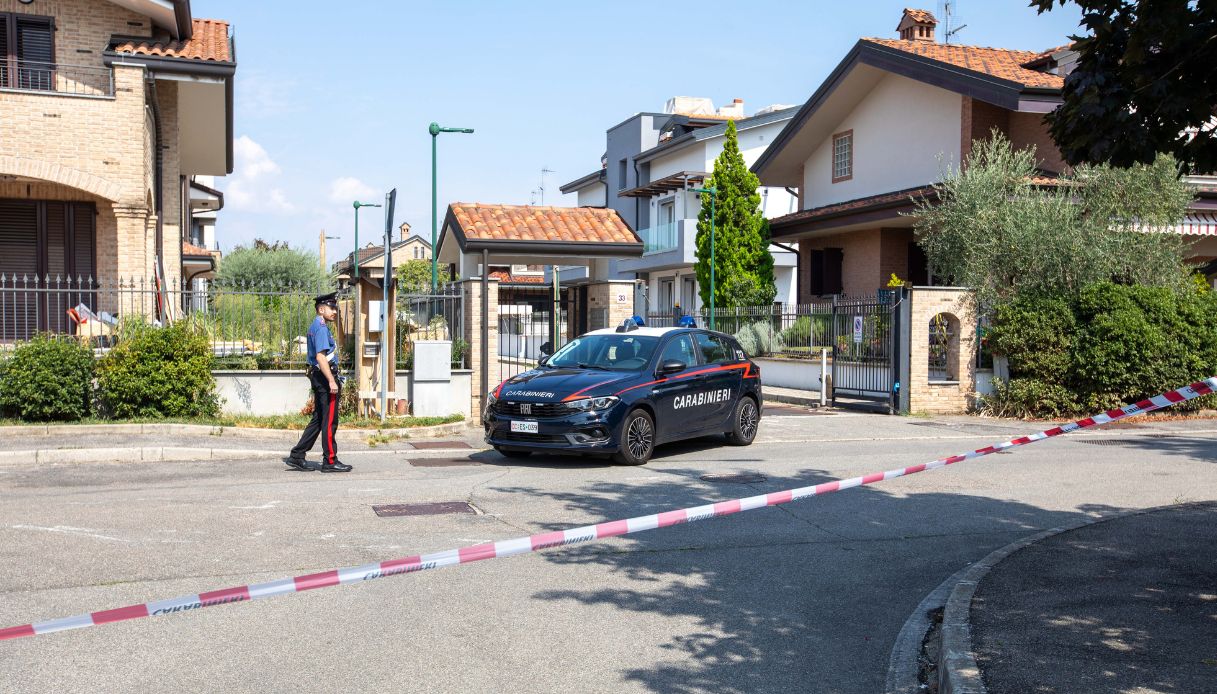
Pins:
x,y
333,98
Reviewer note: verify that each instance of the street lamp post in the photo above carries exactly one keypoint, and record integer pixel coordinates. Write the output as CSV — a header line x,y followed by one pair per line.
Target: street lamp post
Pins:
x,y
357,205
713,193
435,130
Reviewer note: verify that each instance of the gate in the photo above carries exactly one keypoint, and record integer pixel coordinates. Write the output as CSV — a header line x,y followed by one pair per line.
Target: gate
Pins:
x,y
866,350
527,321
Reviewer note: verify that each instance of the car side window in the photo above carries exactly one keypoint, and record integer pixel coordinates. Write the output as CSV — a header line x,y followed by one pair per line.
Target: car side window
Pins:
x,y
679,349
714,350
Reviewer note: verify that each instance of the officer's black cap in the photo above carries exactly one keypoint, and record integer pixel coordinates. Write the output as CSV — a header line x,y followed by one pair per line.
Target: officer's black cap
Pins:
x,y
330,300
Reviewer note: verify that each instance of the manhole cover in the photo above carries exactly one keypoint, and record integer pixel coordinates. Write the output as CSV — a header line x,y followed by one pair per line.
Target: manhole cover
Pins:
x,y
443,462
734,477
438,508
433,445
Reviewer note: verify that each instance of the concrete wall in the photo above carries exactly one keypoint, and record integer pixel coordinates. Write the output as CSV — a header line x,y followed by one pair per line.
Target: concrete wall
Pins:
x,y
790,373
591,196
900,130
264,393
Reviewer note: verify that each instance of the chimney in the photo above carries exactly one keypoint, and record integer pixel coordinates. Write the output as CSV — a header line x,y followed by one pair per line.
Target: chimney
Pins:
x,y
733,110
917,25
405,230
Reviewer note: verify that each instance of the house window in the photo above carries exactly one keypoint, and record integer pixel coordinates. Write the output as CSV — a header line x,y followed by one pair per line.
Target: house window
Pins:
x,y
47,248
843,156
27,52
825,268
621,171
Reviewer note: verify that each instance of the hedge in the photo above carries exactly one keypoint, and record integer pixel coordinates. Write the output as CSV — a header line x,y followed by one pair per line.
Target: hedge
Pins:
x,y
47,379
1107,345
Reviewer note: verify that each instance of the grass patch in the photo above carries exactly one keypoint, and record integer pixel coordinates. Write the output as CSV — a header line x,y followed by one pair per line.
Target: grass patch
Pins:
x,y
289,421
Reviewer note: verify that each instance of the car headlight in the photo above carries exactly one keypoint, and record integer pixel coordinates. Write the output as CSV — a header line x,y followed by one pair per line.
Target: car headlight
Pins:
x,y
592,404
491,399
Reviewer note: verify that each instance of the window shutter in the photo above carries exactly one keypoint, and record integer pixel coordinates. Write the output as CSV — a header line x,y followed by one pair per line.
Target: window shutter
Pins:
x,y
4,64
918,272
816,270
18,265
35,53
84,241
832,270
56,240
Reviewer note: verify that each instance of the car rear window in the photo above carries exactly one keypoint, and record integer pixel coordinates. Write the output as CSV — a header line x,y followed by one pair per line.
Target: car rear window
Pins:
x,y
714,350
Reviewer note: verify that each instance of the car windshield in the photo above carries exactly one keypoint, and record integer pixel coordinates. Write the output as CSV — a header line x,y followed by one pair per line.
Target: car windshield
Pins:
x,y
615,352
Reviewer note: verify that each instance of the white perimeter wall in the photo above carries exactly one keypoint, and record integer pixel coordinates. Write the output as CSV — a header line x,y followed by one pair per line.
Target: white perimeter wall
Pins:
x,y
900,129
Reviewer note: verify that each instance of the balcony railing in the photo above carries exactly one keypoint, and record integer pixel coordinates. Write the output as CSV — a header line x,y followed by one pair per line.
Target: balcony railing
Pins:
x,y
660,238
56,78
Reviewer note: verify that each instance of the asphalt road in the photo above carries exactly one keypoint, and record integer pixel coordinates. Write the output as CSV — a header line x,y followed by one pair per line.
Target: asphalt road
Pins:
x,y
804,597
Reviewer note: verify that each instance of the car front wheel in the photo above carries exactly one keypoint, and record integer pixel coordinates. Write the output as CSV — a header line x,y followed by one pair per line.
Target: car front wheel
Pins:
x,y
745,423
637,439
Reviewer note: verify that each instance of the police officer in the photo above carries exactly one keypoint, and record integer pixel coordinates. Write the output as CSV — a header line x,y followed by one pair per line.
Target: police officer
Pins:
x,y
327,390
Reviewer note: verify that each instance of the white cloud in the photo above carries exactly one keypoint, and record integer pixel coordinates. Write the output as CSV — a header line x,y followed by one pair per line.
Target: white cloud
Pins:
x,y
349,189
252,185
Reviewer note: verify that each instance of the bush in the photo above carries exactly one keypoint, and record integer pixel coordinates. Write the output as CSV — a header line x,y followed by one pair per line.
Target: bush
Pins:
x,y
47,379
1107,345
158,372
759,339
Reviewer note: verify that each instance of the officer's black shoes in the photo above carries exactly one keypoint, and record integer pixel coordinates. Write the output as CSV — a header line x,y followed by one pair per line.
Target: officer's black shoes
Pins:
x,y
296,463
336,467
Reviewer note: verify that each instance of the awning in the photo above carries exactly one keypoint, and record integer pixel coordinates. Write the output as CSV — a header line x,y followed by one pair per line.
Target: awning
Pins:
x,y
666,184
1198,224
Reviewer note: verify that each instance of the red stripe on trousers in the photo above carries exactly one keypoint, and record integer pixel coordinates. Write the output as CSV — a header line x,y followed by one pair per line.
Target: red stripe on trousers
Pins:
x,y
329,430
121,614
324,579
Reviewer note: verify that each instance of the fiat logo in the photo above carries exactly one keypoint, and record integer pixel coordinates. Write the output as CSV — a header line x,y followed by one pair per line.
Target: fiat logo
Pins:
x,y
525,408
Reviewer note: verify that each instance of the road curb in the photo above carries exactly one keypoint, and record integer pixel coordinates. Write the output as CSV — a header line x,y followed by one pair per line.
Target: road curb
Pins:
x,y
72,430
958,672
792,399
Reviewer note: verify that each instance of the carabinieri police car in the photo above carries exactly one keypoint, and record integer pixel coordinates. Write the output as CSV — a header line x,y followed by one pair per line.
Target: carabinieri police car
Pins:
x,y
623,391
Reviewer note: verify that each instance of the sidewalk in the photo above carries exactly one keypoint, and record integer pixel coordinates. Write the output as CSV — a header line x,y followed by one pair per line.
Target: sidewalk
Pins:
x,y
1126,604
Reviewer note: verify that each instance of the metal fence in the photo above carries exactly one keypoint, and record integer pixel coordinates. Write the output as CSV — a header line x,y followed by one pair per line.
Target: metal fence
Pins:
x,y
249,326
37,76
794,331
438,316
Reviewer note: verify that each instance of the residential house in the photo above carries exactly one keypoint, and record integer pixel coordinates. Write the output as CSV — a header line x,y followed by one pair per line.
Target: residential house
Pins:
x,y
882,129
111,108
652,162
372,256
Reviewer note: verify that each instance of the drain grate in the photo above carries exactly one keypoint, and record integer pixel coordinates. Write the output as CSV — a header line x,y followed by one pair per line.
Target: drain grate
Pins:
x,y
436,445
1105,442
443,462
437,508
734,477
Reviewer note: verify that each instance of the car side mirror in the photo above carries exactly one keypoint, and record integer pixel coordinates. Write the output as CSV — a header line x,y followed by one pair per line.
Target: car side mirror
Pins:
x,y
547,348
672,366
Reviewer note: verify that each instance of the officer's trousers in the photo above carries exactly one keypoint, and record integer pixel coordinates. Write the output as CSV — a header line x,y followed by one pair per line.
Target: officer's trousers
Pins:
x,y
324,422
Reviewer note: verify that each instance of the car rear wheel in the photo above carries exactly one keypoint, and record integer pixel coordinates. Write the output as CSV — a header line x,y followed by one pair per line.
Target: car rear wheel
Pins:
x,y
512,453
637,439
745,423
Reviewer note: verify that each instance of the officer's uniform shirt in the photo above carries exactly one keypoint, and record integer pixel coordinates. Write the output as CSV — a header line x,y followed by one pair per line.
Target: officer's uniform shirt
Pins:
x,y
321,340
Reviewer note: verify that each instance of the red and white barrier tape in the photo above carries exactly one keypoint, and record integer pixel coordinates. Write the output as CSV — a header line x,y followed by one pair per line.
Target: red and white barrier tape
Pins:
x,y
522,545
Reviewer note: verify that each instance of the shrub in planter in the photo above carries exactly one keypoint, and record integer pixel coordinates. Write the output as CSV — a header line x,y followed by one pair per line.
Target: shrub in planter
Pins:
x,y
158,372
47,379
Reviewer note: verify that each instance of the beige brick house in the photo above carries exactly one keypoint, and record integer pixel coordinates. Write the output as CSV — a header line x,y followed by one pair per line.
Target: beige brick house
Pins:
x,y
109,109
882,128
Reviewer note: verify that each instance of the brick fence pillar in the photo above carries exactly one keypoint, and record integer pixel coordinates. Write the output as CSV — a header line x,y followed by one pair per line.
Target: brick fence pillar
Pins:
x,y
617,296
482,328
955,393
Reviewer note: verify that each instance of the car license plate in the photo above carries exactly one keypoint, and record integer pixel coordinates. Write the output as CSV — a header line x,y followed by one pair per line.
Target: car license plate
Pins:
x,y
525,427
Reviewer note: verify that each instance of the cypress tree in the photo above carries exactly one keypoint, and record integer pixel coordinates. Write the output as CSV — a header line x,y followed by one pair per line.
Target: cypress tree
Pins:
x,y
743,266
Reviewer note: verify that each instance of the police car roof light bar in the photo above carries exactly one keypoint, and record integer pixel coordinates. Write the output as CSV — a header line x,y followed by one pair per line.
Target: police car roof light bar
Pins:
x,y
687,321
627,325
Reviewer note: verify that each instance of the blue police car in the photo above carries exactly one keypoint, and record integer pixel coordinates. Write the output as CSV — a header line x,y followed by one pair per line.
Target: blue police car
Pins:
x,y
623,391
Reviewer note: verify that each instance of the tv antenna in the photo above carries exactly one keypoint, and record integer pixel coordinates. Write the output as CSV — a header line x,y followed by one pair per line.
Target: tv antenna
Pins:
x,y
541,190
948,10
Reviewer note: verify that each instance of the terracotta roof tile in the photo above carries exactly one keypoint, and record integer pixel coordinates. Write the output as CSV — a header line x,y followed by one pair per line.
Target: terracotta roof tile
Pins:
x,y
209,42
544,224
919,16
191,249
508,278
998,62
